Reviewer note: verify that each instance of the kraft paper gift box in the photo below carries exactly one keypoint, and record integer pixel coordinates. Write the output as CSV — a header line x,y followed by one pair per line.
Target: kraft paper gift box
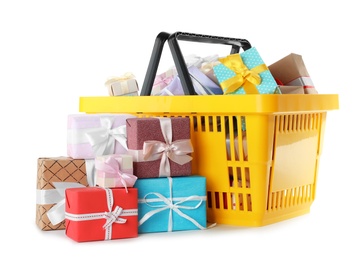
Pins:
x,y
115,170
54,175
160,147
125,85
171,204
291,71
95,213
91,135
203,85
291,89
245,73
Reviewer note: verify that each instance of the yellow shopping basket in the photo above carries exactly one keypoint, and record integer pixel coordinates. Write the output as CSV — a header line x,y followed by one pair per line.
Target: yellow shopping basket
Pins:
x,y
263,175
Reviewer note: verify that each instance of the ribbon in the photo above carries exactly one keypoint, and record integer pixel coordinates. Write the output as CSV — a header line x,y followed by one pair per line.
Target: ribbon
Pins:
x,y
111,80
162,80
55,196
306,82
110,216
248,79
194,60
112,167
171,206
103,139
122,84
177,151
208,66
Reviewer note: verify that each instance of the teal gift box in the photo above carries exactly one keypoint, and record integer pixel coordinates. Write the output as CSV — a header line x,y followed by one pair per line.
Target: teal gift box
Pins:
x,y
171,204
251,60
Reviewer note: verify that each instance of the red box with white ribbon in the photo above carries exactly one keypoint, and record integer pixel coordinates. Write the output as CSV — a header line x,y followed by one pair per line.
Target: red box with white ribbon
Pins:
x,y
95,213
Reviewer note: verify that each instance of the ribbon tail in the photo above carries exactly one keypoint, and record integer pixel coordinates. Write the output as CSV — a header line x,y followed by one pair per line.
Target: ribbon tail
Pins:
x,y
165,168
57,213
189,218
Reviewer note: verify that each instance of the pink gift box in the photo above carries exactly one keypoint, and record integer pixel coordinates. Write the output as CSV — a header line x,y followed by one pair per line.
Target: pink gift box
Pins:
x,y
160,147
91,135
115,170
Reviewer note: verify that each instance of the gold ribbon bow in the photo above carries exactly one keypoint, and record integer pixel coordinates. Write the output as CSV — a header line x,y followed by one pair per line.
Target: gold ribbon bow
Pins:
x,y
245,77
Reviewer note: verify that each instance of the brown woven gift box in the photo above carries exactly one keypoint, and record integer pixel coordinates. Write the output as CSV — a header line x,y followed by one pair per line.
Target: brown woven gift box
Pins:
x,y
56,169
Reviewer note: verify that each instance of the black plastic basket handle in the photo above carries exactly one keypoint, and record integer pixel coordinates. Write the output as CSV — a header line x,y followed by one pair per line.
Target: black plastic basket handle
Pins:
x,y
178,58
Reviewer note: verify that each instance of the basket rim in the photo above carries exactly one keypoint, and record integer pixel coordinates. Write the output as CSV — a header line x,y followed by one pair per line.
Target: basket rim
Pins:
x,y
210,104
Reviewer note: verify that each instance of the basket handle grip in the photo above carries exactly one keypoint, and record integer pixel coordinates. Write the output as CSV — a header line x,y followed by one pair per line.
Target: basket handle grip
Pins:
x,y
178,58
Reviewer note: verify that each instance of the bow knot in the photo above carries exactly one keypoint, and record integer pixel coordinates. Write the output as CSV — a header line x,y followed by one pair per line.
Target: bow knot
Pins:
x,y
155,199
112,167
113,217
177,151
103,139
125,76
245,77
163,80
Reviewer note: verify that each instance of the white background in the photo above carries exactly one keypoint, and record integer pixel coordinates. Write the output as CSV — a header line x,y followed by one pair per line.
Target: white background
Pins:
x,y
53,52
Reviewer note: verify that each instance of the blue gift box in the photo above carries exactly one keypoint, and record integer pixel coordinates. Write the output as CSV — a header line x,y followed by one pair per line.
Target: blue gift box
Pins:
x,y
171,204
251,59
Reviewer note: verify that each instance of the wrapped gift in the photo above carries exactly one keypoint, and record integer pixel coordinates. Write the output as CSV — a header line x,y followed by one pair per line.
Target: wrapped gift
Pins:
x,y
91,135
203,85
96,213
125,85
208,69
114,170
171,204
291,89
163,80
197,61
245,73
55,174
292,71
160,146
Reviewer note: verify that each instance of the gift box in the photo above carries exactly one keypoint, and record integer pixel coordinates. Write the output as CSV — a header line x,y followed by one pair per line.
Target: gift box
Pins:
x,y
245,73
203,85
292,71
54,175
125,85
291,89
96,213
197,61
91,135
171,204
115,170
163,80
208,69
160,147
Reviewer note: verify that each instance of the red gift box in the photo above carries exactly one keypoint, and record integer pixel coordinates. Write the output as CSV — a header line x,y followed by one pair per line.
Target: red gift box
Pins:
x,y
161,147
95,213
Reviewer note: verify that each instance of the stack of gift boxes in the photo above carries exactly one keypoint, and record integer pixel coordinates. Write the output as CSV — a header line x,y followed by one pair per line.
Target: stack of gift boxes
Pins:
x,y
126,175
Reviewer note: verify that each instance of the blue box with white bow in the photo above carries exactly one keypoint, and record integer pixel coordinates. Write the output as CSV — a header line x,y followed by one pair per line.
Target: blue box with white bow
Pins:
x,y
171,204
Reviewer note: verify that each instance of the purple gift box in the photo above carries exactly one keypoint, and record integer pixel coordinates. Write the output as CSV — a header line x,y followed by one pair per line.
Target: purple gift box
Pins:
x,y
203,85
92,135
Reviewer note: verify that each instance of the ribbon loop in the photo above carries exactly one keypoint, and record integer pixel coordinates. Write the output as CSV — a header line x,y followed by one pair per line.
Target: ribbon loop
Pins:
x,y
112,167
177,151
125,76
113,217
168,204
103,139
245,77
